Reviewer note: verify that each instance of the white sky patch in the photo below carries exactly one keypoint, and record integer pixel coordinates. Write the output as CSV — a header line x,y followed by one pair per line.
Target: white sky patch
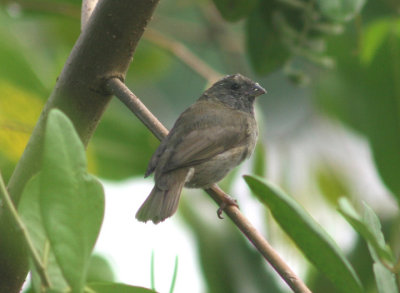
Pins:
x,y
128,244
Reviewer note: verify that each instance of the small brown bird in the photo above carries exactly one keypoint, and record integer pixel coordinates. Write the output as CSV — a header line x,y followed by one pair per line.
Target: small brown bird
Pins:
x,y
209,139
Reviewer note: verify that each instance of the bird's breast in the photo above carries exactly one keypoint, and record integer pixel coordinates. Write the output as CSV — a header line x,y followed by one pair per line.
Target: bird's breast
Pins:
x,y
215,169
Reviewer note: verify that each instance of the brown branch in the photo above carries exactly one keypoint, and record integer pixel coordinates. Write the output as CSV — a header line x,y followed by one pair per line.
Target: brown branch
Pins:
x,y
87,9
184,54
122,92
104,49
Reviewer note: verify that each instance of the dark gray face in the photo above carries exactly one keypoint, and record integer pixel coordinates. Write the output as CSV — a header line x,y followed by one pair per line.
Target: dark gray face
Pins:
x,y
236,91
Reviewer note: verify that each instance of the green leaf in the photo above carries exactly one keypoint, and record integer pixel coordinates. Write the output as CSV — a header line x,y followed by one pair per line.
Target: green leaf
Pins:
x,y
99,270
373,224
385,280
340,10
29,210
234,10
72,201
266,51
117,288
373,38
312,240
369,228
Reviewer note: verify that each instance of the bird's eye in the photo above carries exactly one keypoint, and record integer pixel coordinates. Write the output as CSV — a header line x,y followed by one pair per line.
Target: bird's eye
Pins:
x,y
235,86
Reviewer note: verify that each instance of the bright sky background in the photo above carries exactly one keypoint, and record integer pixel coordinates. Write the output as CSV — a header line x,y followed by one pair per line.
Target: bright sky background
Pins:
x,y
128,244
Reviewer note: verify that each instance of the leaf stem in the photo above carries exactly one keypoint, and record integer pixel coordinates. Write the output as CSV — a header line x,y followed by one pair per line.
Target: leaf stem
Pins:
x,y
17,220
122,92
152,274
171,289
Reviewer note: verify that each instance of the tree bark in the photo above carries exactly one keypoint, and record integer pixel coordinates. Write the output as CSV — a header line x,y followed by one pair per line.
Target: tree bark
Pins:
x,y
104,49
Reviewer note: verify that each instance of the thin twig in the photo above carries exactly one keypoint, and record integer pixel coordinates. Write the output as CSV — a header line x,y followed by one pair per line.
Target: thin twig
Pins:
x,y
184,54
21,226
122,92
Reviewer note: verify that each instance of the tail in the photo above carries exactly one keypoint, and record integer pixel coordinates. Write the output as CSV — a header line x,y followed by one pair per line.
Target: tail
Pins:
x,y
160,204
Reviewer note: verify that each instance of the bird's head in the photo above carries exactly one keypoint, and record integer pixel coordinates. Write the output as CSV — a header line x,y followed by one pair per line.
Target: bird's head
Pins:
x,y
235,91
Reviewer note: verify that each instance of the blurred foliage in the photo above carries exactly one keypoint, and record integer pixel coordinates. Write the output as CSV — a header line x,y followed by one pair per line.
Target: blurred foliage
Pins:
x,y
116,288
363,91
348,51
308,235
229,264
235,10
19,111
122,145
260,49
280,30
99,271
332,184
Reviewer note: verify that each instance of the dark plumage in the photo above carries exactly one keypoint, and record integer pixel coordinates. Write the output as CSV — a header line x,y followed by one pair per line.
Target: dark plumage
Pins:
x,y
209,138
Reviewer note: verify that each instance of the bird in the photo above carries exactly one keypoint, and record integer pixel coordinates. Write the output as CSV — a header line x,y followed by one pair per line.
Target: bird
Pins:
x,y
210,138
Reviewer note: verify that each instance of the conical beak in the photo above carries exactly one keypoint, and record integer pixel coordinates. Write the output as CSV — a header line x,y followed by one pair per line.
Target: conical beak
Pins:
x,y
259,90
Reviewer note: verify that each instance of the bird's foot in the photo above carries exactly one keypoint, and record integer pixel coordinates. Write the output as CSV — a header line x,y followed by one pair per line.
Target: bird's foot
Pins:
x,y
226,202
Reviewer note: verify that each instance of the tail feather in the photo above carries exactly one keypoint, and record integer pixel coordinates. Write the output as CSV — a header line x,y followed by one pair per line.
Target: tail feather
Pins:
x,y
160,204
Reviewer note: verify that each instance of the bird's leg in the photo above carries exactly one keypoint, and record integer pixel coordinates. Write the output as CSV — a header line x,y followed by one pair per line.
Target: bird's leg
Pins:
x,y
226,201
223,199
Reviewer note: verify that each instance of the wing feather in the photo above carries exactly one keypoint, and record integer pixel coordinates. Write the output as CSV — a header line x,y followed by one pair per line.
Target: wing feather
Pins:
x,y
204,135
